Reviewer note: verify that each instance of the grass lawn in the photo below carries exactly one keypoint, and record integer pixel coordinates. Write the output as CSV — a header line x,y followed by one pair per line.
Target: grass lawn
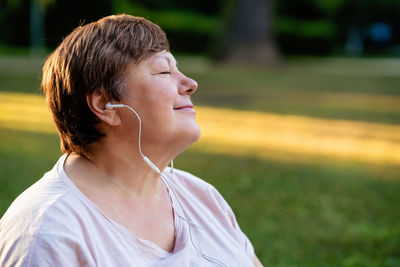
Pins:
x,y
307,155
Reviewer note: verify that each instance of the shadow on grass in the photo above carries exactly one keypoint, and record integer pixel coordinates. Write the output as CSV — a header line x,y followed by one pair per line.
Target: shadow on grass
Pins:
x,y
294,213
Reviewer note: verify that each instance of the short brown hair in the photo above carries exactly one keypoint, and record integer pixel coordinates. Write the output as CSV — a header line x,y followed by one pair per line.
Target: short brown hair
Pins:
x,y
93,58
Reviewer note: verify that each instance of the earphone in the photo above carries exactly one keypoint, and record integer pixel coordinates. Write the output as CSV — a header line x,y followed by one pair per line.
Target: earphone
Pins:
x,y
109,105
146,159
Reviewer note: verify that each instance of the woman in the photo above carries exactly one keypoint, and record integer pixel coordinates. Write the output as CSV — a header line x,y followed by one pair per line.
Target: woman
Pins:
x,y
123,112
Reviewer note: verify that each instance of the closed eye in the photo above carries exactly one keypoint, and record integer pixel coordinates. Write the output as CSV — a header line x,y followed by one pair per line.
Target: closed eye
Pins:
x,y
165,72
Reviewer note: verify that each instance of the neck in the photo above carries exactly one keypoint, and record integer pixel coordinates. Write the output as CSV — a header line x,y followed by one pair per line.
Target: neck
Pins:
x,y
128,174
124,172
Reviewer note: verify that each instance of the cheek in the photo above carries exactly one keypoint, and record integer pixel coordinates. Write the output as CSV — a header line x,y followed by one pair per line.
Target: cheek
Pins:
x,y
165,98
159,105
155,97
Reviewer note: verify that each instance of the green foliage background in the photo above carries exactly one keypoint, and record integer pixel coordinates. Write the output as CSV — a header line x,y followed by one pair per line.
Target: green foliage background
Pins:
x,y
299,27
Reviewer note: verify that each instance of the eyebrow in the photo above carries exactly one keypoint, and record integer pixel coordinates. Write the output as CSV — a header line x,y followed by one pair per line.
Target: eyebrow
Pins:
x,y
169,60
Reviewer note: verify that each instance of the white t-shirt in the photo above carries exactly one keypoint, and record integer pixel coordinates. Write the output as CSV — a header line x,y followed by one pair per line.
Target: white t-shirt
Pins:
x,y
53,223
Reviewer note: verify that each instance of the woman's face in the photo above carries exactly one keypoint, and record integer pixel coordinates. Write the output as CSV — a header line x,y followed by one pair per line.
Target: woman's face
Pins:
x,y
160,94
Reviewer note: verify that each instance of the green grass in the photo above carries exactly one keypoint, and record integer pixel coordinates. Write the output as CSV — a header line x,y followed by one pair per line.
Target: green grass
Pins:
x,y
308,214
324,212
24,157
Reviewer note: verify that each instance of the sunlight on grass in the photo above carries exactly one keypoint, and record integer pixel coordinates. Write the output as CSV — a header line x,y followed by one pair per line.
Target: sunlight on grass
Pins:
x,y
25,112
263,135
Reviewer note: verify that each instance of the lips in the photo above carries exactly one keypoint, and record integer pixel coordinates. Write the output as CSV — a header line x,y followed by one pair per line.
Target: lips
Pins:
x,y
186,108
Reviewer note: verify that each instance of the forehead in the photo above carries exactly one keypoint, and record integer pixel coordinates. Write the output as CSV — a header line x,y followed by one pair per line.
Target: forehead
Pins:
x,y
155,61
163,56
136,70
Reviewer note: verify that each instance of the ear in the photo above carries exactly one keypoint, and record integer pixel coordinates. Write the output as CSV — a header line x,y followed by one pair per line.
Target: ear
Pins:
x,y
97,104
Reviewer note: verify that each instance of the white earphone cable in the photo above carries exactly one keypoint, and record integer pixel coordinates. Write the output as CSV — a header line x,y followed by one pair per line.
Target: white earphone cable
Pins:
x,y
146,159
189,222
156,169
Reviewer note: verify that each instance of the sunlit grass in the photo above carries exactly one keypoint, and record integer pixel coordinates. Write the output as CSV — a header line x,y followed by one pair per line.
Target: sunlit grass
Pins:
x,y
26,112
259,134
268,135
306,155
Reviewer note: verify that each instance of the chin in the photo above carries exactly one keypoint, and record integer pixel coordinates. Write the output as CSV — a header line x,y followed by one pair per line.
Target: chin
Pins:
x,y
196,134
190,135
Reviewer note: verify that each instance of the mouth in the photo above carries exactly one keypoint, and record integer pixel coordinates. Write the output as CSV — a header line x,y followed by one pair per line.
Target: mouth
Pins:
x,y
186,108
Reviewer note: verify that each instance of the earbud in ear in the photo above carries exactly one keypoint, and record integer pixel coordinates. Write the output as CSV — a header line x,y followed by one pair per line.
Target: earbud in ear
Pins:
x,y
110,106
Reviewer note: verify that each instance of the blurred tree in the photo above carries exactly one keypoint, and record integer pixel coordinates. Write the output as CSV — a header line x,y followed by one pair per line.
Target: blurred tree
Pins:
x,y
298,27
37,12
248,34
362,15
15,13
190,25
305,27
27,20
63,16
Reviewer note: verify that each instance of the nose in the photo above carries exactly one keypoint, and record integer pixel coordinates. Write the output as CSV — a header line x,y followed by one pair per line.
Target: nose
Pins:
x,y
187,86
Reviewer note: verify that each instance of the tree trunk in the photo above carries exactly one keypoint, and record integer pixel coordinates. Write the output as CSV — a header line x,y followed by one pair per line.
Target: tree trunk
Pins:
x,y
36,28
249,38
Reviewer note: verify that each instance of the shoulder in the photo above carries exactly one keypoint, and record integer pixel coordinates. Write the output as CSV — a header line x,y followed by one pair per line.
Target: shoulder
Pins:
x,y
184,178
196,191
38,218
189,182
38,203
32,206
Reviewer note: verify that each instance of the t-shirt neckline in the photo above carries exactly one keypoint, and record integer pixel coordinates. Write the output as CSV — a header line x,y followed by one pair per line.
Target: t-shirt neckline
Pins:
x,y
157,250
